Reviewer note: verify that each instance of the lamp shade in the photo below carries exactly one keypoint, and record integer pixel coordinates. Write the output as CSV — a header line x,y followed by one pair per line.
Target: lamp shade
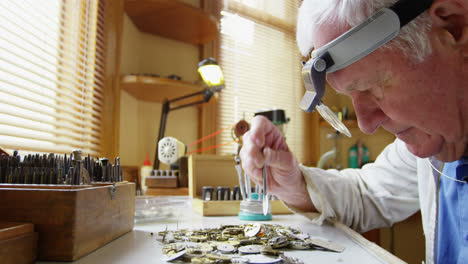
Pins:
x,y
211,72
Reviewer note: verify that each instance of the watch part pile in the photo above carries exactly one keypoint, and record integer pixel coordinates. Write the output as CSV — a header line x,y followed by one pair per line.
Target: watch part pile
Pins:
x,y
246,243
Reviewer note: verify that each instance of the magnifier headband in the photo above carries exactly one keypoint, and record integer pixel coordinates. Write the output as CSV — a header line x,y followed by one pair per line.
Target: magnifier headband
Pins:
x,y
355,44
360,40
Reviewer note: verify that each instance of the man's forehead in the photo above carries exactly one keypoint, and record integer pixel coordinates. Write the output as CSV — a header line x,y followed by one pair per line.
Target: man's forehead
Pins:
x,y
326,33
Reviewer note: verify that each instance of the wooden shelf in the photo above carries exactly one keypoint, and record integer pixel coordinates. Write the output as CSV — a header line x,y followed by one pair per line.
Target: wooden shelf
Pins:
x,y
167,191
155,89
347,123
231,207
172,19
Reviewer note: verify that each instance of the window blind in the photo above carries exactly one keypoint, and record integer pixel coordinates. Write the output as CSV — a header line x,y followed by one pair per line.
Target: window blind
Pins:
x,y
262,67
51,75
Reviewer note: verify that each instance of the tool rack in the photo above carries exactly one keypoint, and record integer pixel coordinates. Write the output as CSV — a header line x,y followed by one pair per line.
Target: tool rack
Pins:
x,y
76,205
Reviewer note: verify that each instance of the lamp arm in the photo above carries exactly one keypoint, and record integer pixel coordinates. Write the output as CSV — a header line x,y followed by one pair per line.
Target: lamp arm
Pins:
x,y
162,127
207,94
187,96
189,104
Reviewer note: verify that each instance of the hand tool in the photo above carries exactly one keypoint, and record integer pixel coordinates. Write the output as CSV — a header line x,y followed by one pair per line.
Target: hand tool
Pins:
x,y
57,169
239,174
219,193
248,186
207,194
104,162
266,200
236,194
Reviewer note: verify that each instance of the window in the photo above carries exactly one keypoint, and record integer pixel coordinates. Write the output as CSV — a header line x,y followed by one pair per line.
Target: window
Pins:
x,y
261,64
51,75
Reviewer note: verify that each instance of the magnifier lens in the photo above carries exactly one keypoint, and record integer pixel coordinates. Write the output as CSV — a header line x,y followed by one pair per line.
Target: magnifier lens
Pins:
x,y
332,119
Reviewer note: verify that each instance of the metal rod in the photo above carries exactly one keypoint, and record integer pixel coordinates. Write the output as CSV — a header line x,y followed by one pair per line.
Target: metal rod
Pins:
x,y
189,104
265,192
248,186
162,127
186,96
241,181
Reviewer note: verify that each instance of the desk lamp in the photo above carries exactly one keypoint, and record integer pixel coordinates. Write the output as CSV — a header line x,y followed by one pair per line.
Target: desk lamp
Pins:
x,y
214,82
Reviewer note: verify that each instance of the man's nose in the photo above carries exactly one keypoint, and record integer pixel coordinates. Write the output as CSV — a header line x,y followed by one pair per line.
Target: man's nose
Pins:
x,y
368,113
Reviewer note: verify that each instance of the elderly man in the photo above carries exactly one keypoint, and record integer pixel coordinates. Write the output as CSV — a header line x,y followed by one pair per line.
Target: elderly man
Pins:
x,y
414,86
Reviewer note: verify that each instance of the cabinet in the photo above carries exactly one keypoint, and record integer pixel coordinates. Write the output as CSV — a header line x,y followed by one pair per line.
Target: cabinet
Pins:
x,y
172,19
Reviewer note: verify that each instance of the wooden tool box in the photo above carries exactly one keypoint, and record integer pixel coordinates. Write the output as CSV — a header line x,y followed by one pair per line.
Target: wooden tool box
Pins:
x,y
71,221
216,170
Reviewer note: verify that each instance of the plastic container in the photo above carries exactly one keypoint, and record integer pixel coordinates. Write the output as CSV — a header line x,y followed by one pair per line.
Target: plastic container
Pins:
x,y
252,209
161,208
365,155
145,171
353,156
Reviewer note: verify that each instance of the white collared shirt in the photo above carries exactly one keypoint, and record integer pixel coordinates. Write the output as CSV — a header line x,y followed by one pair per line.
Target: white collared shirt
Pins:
x,y
391,189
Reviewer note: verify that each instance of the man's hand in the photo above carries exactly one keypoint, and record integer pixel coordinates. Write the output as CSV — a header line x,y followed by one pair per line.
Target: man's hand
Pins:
x,y
264,145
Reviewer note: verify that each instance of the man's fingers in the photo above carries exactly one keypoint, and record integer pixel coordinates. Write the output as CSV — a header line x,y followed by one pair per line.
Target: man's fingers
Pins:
x,y
256,176
251,153
260,126
250,168
278,158
251,158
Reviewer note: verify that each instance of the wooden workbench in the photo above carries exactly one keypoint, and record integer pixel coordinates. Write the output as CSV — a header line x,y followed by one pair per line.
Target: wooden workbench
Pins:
x,y
139,246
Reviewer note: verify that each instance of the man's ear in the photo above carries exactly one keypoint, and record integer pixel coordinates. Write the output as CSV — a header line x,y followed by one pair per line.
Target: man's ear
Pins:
x,y
450,21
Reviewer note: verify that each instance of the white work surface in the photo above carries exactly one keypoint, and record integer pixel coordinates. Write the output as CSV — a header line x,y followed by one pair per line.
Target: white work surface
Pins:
x,y
139,246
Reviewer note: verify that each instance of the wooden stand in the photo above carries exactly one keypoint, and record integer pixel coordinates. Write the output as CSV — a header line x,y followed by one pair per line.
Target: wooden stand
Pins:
x,y
222,208
211,170
18,243
161,182
215,170
71,220
167,191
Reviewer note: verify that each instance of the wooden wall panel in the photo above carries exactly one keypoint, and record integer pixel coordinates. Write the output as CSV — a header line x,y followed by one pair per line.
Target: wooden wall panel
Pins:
x,y
114,11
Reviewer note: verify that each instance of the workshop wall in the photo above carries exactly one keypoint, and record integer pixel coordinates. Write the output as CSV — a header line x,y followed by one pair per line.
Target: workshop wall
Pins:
x,y
139,120
375,143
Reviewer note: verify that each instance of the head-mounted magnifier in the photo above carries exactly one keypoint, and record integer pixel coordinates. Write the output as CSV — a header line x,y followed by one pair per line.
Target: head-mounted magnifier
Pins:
x,y
350,47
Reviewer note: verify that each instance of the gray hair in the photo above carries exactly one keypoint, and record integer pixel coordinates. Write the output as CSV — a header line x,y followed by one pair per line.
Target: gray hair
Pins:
x,y
413,39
